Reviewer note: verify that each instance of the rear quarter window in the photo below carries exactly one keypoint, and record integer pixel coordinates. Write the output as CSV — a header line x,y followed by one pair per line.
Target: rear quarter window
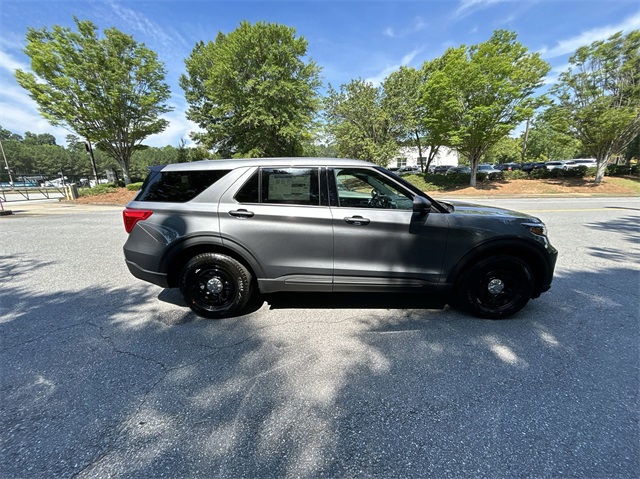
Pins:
x,y
177,186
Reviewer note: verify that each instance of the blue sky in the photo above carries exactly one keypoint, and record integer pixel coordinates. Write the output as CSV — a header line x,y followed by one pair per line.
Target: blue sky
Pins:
x,y
356,39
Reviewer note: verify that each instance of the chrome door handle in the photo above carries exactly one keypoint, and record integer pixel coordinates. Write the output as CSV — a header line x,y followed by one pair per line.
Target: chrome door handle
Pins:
x,y
241,213
357,221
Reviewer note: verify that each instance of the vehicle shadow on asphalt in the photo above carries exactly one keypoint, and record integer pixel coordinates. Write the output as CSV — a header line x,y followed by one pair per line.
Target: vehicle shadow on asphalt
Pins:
x,y
353,301
120,386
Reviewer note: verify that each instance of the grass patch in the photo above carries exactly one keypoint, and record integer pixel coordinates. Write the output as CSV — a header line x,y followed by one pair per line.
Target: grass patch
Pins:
x,y
632,184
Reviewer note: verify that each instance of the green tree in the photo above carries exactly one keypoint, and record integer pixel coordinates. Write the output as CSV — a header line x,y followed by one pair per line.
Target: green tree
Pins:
x,y
633,150
8,135
477,95
110,90
252,92
600,96
506,150
39,139
360,124
401,101
550,137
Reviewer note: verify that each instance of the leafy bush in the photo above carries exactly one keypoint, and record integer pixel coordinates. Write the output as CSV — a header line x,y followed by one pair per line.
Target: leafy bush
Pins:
x,y
515,175
540,174
134,186
98,190
431,182
621,170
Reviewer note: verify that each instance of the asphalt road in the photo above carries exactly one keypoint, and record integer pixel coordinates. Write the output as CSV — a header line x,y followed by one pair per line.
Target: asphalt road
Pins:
x,y
105,376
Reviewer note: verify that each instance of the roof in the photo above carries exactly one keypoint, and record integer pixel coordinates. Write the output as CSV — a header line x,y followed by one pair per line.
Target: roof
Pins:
x,y
273,162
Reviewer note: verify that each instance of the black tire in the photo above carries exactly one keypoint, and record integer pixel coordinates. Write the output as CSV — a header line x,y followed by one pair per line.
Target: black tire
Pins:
x,y
215,286
496,287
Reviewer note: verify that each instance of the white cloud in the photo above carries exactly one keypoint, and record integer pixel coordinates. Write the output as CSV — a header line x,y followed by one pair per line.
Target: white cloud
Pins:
x,y
138,22
416,25
570,45
406,60
179,128
7,62
467,7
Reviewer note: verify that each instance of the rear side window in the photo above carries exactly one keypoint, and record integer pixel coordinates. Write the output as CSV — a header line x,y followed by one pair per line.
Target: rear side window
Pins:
x,y
284,186
290,186
177,186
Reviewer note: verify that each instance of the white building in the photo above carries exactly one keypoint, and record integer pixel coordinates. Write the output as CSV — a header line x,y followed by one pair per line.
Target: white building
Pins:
x,y
408,156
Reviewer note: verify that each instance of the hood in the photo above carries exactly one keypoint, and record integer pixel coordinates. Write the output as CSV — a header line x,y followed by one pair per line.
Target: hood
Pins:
x,y
461,207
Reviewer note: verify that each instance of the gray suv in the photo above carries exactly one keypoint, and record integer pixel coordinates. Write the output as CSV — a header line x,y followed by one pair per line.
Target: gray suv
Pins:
x,y
224,230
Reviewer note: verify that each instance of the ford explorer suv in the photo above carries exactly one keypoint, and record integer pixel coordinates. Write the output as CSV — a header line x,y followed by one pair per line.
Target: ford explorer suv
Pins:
x,y
224,230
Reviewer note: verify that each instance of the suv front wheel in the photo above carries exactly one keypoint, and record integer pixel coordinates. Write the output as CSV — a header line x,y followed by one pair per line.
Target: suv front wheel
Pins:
x,y
215,286
496,287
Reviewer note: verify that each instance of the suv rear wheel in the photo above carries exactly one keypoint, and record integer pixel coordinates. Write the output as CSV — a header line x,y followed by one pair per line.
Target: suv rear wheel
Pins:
x,y
496,287
215,286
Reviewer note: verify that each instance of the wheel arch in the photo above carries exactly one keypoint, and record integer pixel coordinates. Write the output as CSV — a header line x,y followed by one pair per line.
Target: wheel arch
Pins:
x,y
529,253
181,252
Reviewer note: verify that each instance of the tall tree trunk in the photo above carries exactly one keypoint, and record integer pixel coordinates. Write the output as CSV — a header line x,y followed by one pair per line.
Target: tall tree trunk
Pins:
x,y
420,157
601,168
474,169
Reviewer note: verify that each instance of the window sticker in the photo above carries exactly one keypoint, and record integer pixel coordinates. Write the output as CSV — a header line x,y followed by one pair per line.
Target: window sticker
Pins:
x,y
283,187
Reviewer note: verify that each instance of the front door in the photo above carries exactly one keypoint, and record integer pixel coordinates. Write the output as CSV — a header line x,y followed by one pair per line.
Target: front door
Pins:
x,y
379,242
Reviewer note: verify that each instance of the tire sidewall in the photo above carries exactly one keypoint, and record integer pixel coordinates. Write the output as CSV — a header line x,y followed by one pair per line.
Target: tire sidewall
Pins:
x,y
237,273
521,279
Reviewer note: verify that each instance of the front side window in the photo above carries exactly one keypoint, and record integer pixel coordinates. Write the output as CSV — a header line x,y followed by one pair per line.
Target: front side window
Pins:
x,y
363,188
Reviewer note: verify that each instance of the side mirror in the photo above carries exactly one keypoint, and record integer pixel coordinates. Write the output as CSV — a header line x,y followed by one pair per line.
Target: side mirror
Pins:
x,y
421,205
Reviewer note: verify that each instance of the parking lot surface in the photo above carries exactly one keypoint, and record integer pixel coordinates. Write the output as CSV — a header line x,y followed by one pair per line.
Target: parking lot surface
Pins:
x,y
105,376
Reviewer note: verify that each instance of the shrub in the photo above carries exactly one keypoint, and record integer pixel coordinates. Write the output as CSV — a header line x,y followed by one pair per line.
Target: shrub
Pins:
x,y
620,170
540,174
97,190
515,175
134,186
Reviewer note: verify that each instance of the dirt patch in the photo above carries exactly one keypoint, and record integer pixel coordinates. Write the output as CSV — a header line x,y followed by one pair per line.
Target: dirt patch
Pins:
x,y
559,187
121,196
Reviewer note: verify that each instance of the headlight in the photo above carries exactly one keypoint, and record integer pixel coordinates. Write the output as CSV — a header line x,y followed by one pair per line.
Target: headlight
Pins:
x,y
538,229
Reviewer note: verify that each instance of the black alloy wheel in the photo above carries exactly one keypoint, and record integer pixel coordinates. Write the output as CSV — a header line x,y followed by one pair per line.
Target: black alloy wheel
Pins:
x,y
496,287
215,286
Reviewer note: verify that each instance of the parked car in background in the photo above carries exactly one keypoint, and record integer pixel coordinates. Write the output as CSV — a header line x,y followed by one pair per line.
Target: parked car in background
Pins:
x,y
458,169
490,171
409,170
441,169
561,165
587,162
536,165
507,166
222,231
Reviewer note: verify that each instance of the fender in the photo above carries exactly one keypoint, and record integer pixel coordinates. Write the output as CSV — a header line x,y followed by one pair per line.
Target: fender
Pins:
x,y
532,252
201,243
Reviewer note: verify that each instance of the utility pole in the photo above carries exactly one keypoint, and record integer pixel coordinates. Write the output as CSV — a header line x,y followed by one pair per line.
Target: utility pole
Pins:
x,y
6,165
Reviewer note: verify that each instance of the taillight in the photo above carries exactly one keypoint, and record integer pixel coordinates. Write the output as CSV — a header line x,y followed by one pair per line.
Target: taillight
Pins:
x,y
131,217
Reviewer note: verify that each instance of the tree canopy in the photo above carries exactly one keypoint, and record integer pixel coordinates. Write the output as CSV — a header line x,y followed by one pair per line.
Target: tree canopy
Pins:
x,y
108,90
600,96
359,122
252,92
477,95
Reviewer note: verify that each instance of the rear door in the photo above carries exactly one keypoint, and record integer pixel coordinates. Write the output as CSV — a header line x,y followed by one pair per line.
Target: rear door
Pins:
x,y
281,218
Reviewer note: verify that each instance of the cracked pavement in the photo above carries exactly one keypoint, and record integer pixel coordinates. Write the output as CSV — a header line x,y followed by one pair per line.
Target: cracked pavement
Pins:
x,y
105,376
